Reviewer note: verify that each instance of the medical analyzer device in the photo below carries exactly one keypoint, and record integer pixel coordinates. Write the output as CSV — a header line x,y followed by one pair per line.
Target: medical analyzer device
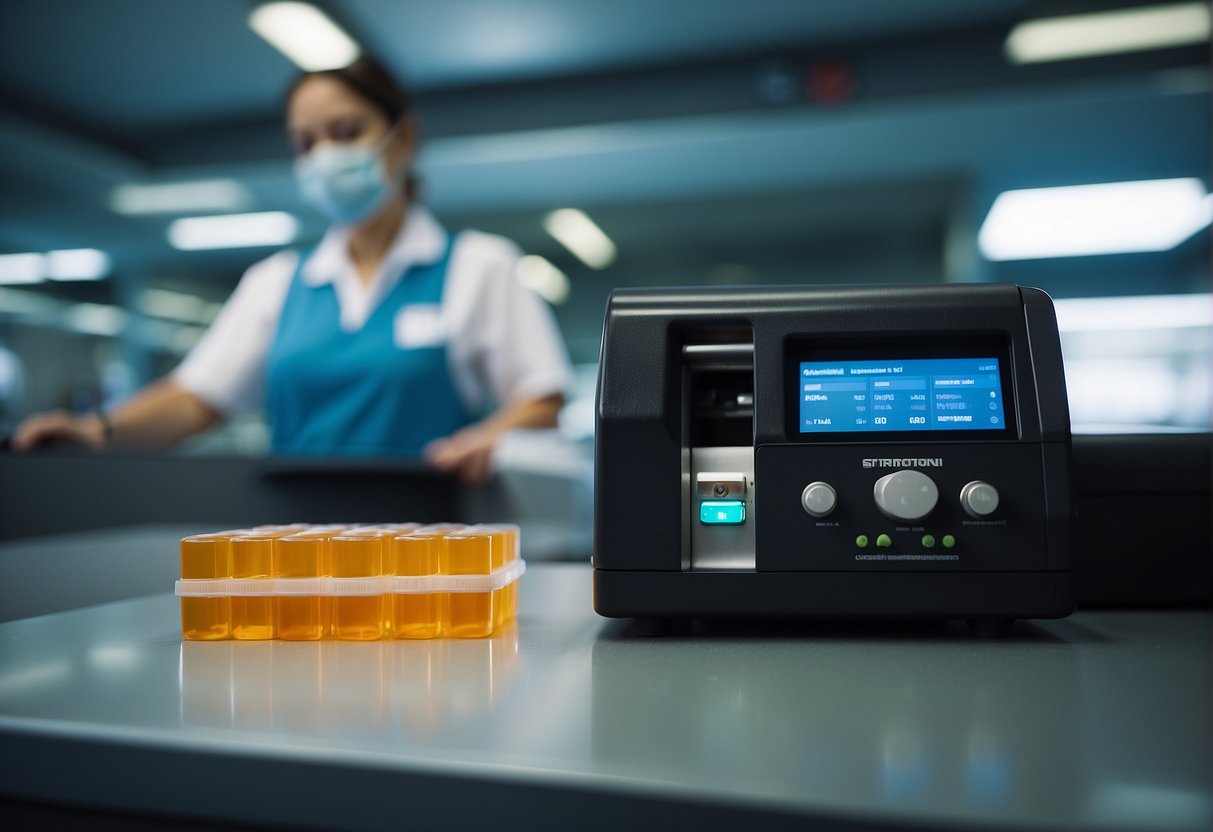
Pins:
x,y
881,452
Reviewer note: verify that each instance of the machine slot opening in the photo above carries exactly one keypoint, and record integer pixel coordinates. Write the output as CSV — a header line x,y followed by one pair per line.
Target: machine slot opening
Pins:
x,y
719,394
718,473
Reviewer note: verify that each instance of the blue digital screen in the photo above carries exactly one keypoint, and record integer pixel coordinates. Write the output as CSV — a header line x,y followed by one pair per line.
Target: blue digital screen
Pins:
x,y
919,394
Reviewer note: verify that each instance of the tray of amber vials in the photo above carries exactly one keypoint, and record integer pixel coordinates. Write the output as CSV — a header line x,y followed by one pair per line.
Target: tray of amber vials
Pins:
x,y
350,582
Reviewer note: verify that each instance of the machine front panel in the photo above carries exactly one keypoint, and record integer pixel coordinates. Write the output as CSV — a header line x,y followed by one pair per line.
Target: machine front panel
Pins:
x,y
900,507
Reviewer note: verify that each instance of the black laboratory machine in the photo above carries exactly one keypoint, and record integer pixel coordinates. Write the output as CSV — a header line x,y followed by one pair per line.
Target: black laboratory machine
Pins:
x,y
879,452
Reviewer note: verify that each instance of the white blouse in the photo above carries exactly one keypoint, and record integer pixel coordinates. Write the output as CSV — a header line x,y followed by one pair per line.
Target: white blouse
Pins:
x,y
503,345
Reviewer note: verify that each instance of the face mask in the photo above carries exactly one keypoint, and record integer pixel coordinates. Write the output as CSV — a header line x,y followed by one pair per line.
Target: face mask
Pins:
x,y
346,183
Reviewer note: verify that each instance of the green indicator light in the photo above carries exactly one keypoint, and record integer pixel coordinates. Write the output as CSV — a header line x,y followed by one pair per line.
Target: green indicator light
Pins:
x,y
948,541
722,512
884,541
928,541
862,541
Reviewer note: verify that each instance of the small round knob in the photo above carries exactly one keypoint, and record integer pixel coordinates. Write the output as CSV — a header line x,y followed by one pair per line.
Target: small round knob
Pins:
x,y
979,499
905,495
818,499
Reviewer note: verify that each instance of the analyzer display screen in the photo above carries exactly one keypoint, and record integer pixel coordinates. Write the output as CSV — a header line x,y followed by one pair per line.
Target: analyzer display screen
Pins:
x,y
915,394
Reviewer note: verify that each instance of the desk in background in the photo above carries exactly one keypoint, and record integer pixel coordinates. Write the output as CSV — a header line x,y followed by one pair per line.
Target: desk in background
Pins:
x,y
1141,532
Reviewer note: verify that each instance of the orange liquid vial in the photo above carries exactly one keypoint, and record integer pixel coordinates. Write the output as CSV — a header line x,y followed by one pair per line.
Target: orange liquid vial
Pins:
x,y
416,615
442,528
302,555
253,557
500,543
358,555
469,614
399,528
513,553
505,551
206,556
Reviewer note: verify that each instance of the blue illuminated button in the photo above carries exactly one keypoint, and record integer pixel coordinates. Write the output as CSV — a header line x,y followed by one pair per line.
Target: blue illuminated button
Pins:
x,y
722,512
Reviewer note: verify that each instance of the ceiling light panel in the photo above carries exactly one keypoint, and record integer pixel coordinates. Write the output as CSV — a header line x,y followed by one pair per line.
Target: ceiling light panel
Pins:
x,y
270,228
574,230
1109,33
304,34
218,195
1108,218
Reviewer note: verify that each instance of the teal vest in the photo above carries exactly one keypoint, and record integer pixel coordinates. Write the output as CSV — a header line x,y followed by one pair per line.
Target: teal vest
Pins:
x,y
385,390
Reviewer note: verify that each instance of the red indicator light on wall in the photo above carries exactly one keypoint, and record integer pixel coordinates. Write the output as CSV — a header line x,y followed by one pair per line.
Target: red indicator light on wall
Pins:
x,y
830,81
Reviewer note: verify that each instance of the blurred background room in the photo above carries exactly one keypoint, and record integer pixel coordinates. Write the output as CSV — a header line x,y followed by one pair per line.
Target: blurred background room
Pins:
x,y
1063,144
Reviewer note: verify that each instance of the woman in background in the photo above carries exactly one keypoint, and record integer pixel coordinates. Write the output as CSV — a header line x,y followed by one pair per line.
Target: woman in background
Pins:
x,y
389,338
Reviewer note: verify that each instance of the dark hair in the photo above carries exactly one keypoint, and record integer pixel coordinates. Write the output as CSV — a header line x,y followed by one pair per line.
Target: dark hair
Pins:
x,y
371,81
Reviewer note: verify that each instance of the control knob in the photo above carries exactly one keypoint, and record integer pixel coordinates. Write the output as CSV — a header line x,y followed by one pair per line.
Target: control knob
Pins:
x,y
906,495
818,499
979,499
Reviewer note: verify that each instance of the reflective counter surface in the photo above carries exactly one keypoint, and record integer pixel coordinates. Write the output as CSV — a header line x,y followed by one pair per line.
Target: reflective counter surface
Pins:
x,y
1101,721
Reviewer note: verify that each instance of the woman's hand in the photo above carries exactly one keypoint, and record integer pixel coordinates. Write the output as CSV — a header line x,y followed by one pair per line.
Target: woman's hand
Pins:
x,y
60,426
158,416
468,452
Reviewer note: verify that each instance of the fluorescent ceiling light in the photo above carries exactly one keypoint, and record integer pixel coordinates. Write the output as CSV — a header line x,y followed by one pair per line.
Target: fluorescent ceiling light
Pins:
x,y
1108,33
28,267
270,228
1112,218
177,306
578,233
32,308
180,197
305,35
547,281
95,319
22,302
77,264
1134,313
65,264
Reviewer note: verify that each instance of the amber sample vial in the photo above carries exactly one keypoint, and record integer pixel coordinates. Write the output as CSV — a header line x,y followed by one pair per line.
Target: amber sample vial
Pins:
x,y
513,553
358,616
505,552
499,547
468,614
206,556
253,557
302,555
416,615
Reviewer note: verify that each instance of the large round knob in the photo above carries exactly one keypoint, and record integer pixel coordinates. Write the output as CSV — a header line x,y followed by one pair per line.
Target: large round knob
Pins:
x,y
979,499
818,499
905,495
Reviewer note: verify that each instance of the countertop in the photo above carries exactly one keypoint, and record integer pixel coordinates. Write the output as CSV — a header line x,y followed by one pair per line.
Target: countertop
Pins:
x,y
1099,721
